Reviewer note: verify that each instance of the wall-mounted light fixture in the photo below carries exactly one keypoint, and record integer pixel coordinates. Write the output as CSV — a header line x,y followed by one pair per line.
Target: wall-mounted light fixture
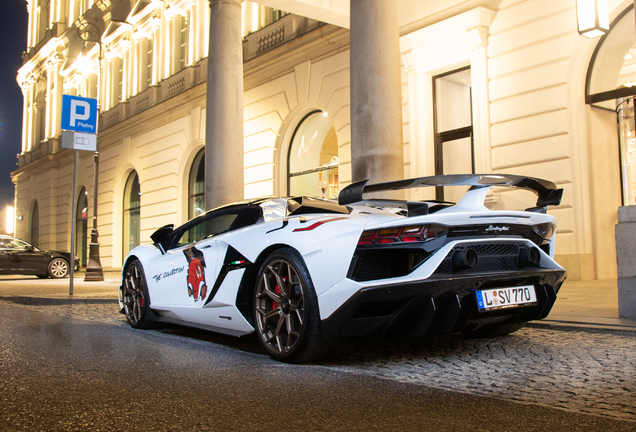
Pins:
x,y
592,17
10,217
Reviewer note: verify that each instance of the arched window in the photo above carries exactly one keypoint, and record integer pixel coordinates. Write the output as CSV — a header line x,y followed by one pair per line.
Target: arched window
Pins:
x,y
611,85
81,227
132,212
35,225
313,158
196,186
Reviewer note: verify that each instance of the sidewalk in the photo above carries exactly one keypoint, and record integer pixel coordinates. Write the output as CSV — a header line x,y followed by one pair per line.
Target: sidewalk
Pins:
x,y
34,291
583,305
587,305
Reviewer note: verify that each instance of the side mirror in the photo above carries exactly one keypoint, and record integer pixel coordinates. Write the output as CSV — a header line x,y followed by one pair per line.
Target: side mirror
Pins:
x,y
162,233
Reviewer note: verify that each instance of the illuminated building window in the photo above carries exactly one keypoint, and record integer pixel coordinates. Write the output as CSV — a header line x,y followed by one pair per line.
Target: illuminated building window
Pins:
x,y
196,186
35,225
183,43
256,16
132,213
120,80
627,147
453,128
150,46
313,158
611,85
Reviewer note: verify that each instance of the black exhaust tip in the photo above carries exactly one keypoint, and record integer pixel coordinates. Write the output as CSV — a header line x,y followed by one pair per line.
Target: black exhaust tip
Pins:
x,y
529,257
464,259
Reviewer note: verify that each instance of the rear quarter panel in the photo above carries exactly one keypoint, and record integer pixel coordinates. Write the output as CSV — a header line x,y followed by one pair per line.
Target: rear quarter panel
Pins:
x,y
325,241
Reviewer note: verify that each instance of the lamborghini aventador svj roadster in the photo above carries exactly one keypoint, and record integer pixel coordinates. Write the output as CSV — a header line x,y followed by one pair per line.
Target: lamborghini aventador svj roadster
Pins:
x,y
306,275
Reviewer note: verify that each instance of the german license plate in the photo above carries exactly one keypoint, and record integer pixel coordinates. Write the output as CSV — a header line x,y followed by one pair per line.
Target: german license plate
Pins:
x,y
506,297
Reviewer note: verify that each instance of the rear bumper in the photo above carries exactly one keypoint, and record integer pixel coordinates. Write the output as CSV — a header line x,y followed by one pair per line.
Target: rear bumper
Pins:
x,y
438,305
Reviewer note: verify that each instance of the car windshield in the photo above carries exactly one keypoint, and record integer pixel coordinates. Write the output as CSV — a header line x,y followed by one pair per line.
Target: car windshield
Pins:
x,y
206,228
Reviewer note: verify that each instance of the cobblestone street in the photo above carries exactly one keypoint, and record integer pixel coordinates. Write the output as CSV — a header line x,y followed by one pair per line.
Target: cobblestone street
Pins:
x,y
576,371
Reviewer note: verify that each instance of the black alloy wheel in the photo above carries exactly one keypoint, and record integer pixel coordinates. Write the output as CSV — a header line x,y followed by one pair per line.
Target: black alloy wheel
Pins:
x,y
134,297
286,308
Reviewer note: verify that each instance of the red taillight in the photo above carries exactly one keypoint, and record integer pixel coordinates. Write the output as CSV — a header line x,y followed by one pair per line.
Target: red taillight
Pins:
x,y
412,233
389,235
408,234
367,237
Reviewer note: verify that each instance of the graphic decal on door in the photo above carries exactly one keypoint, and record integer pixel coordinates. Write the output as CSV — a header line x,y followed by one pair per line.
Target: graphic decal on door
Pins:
x,y
197,287
233,260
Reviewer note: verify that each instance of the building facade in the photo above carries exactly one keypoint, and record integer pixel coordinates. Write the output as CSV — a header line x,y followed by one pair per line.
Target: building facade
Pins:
x,y
490,86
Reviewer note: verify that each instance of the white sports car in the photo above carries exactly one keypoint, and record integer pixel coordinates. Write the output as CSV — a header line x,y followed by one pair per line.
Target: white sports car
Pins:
x,y
306,274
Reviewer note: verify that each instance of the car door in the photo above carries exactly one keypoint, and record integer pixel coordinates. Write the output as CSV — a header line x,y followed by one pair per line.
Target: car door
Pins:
x,y
31,260
19,257
166,278
181,277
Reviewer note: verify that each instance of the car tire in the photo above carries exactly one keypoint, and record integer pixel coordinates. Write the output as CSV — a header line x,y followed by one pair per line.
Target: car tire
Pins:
x,y
286,315
494,330
58,268
134,297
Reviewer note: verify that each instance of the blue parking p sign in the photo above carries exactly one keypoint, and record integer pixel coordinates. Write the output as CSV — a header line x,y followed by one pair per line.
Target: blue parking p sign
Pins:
x,y
79,114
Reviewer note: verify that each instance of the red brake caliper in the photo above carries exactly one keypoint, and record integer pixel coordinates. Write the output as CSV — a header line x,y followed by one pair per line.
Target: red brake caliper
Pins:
x,y
275,304
277,291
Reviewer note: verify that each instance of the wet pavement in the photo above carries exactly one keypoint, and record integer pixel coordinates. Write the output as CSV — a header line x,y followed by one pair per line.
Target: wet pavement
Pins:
x,y
579,361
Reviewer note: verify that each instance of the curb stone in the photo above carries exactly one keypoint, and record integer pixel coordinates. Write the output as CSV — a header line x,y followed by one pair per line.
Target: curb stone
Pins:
x,y
45,301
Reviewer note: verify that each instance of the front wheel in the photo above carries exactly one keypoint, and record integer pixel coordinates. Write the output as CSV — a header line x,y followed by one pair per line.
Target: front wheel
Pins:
x,y
134,297
58,268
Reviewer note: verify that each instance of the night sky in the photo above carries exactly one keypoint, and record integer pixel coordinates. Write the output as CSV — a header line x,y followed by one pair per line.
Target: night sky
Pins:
x,y
13,33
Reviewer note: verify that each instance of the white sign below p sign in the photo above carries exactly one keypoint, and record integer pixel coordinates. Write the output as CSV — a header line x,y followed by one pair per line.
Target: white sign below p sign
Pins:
x,y
79,140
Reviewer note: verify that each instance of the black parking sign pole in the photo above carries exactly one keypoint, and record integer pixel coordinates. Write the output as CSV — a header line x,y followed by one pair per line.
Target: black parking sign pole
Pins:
x,y
73,217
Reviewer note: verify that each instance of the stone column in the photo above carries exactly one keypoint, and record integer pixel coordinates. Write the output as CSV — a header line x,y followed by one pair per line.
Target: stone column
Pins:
x,y
626,261
224,106
376,100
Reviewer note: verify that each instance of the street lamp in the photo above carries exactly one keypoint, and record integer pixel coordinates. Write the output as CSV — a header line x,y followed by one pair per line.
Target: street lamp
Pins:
x,y
89,32
592,17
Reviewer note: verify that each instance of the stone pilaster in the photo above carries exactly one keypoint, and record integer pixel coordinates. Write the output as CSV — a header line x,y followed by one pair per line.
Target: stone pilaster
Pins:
x,y
224,106
376,100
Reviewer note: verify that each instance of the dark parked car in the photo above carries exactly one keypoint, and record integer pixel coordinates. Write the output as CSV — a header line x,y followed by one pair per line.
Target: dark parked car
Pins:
x,y
19,257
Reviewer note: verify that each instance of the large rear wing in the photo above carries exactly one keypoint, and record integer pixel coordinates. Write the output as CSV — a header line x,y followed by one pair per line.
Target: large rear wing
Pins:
x,y
547,192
